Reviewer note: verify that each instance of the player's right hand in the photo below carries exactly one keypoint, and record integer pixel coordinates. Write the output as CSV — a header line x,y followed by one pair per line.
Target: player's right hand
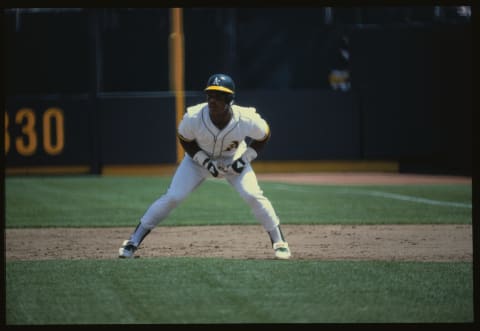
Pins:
x,y
211,166
204,160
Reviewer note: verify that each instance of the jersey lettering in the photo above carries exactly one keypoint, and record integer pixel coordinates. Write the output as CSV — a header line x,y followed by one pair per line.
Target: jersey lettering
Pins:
x,y
233,145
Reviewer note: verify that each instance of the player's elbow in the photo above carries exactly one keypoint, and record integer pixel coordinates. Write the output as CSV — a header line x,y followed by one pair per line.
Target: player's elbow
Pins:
x,y
258,145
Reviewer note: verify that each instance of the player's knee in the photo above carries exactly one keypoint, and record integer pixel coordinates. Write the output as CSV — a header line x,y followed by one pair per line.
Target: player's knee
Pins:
x,y
249,197
174,199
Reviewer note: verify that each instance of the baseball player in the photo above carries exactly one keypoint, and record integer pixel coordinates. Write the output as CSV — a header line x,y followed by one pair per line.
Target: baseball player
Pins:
x,y
213,136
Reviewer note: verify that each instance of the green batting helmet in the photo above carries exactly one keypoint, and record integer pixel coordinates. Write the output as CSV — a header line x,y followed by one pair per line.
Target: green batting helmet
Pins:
x,y
222,83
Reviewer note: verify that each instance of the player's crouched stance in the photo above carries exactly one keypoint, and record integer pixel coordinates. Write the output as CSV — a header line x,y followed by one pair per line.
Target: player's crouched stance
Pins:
x,y
213,136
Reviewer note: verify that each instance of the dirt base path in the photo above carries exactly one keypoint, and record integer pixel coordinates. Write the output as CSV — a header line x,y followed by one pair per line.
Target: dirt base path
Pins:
x,y
315,242
308,242
355,178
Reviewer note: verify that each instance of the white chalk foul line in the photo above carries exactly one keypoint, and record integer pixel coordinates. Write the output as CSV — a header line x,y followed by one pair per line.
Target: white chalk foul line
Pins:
x,y
381,194
411,199
386,195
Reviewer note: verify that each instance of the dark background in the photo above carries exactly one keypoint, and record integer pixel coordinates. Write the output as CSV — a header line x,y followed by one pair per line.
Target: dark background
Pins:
x,y
108,70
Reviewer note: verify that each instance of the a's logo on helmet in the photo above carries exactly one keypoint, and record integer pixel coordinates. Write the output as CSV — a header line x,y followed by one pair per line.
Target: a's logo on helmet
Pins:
x,y
216,81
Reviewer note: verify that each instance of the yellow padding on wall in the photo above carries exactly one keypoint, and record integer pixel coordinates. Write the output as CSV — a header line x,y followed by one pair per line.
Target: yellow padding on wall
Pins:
x,y
327,166
169,169
266,167
48,170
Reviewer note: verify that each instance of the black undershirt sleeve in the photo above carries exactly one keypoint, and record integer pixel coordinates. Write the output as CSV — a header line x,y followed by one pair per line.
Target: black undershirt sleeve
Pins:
x,y
258,145
191,147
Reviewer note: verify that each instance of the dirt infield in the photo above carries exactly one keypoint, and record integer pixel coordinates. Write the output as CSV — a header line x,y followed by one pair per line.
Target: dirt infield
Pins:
x,y
353,178
308,242
319,242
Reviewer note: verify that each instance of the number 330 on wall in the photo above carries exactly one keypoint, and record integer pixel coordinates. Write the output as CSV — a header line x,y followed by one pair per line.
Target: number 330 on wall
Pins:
x,y
26,144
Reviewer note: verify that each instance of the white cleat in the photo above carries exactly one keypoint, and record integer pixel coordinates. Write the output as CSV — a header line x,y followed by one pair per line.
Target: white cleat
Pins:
x,y
127,250
281,250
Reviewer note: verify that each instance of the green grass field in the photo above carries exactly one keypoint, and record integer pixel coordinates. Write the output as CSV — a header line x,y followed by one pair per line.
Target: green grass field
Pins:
x,y
208,290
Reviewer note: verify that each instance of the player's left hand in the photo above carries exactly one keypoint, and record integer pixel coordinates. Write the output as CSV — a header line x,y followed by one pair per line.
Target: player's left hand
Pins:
x,y
237,166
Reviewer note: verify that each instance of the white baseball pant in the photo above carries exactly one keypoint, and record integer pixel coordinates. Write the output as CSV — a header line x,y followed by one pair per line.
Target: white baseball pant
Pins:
x,y
189,175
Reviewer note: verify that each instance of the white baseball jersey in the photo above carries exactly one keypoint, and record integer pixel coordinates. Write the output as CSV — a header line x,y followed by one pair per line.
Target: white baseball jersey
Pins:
x,y
228,143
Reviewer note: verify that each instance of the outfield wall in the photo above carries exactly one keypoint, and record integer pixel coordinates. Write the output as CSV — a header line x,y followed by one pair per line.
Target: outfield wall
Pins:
x,y
93,96
140,130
